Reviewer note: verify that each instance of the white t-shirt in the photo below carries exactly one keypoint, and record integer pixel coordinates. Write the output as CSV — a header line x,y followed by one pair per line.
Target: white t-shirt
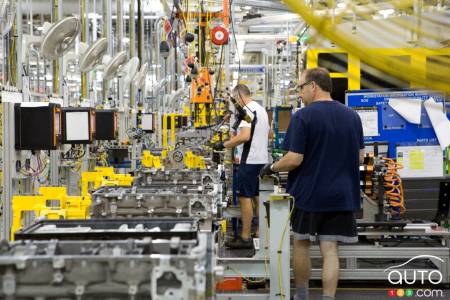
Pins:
x,y
258,153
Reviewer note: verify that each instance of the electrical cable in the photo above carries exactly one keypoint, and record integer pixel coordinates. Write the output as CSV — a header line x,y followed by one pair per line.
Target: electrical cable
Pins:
x,y
40,166
74,153
280,246
135,133
234,38
217,80
237,49
394,187
279,252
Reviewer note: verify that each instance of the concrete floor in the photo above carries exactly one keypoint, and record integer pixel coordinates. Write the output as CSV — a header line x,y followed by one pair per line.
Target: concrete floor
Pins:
x,y
352,294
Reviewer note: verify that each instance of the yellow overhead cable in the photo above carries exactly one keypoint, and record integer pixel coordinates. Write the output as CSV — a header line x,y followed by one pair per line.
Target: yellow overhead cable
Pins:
x,y
402,25
396,21
403,70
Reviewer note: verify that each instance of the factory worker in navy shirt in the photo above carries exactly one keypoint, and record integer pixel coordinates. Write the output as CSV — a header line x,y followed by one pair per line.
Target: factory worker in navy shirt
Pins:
x,y
325,148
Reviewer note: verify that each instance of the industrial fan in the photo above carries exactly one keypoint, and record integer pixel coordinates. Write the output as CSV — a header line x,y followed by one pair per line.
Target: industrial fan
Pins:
x,y
113,65
130,69
59,37
7,14
93,55
139,79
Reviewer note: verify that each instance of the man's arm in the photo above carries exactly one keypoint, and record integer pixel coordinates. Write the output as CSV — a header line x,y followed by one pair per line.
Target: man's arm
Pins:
x,y
288,162
242,137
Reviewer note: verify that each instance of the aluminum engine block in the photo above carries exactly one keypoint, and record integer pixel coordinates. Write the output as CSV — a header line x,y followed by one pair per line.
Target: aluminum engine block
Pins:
x,y
120,269
134,201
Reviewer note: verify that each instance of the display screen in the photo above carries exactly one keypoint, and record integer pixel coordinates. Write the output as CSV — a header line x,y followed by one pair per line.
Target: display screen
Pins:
x,y
147,122
77,126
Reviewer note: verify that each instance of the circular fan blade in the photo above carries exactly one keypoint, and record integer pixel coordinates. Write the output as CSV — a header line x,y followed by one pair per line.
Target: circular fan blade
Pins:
x,y
139,80
114,65
130,70
93,55
60,37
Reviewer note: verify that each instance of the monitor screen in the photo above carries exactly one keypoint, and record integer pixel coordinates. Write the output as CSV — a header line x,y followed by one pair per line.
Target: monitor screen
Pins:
x,y
147,122
77,126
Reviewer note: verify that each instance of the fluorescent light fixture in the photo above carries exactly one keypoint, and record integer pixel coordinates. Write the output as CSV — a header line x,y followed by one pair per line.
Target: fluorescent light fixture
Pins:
x,y
94,16
341,5
386,12
247,7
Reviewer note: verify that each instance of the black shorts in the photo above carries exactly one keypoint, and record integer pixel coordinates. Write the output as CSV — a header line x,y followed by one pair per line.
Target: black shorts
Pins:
x,y
337,226
248,180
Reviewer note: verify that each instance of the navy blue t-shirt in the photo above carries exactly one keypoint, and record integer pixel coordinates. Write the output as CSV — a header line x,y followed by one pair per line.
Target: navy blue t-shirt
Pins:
x,y
329,135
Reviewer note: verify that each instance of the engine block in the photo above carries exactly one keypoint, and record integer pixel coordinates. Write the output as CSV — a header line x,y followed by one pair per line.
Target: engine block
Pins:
x,y
178,201
118,269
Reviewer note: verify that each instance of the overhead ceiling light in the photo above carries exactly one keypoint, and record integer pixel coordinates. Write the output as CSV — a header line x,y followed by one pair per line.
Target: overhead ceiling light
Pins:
x,y
341,5
94,16
386,12
247,7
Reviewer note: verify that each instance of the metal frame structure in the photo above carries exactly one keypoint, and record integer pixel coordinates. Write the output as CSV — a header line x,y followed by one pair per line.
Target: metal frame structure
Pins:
x,y
272,260
353,254
8,169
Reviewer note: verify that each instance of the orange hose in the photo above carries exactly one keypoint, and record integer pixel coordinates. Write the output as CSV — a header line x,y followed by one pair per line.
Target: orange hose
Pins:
x,y
394,187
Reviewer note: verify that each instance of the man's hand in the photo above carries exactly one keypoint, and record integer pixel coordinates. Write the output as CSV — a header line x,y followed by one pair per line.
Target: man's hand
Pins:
x,y
219,146
266,170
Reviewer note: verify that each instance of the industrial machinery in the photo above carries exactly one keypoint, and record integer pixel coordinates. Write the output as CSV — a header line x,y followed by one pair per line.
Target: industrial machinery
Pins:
x,y
175,158
174,262
37,126
110,229
103,176
270,260
112,190
150,161
383,197
207,179
183,157
51,203
157,192
175,200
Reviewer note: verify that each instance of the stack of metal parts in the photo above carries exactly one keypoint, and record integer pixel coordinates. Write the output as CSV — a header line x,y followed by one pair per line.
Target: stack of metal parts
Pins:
x,y
192,193
168,261
158,177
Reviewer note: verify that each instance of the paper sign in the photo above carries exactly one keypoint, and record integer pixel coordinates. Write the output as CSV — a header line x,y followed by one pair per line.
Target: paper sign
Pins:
x,y
420,161
369,120
439,120
416,160
409,108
